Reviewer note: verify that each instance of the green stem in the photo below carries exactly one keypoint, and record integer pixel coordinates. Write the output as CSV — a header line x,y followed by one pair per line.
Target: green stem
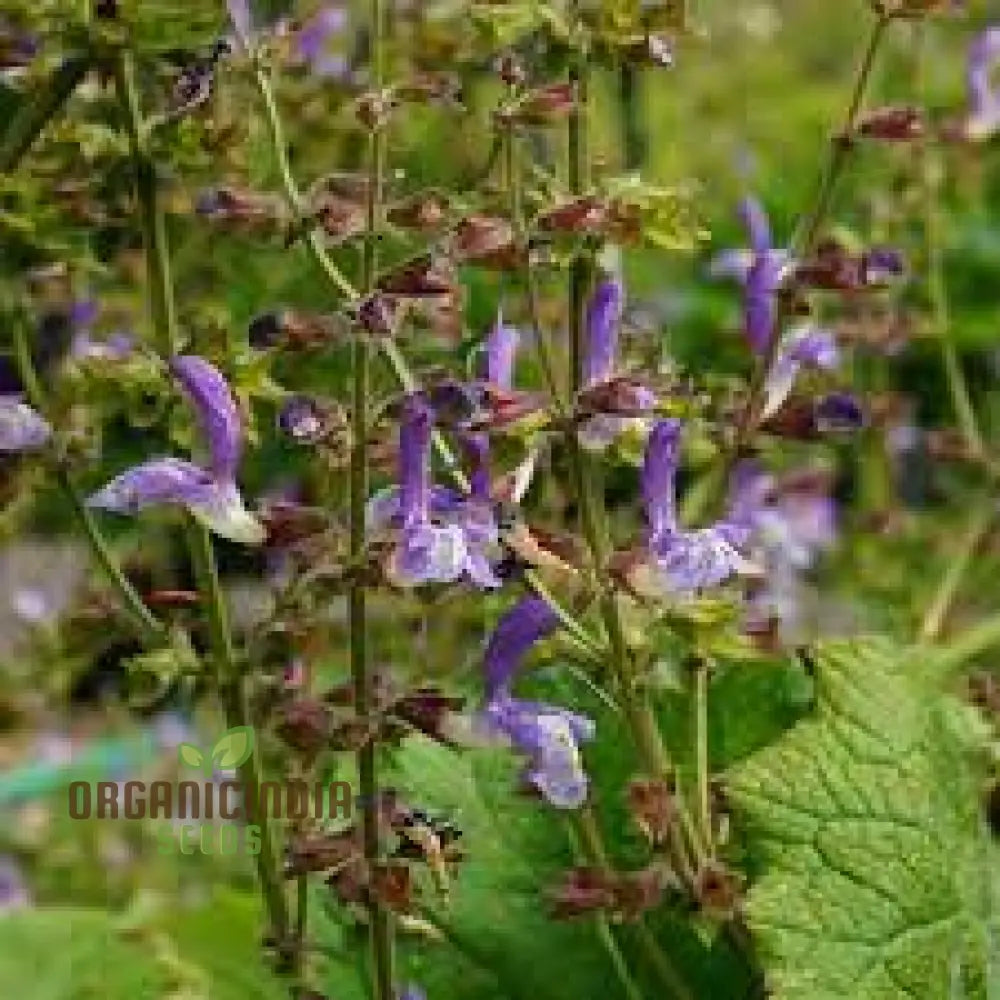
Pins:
x,y
380,923
149,629
941,314
977,640
163,311
701,677
578,162
972,539
586,836
29,122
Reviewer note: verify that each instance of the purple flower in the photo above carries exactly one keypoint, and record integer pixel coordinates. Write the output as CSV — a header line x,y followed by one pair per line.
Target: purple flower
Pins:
x,y
433,548
313,42
804,346
604,313
600,365
14,893
21,427
501,350
517,631
413,993
549,736
839,411
217,411
242,21
682,561
984,100
211,495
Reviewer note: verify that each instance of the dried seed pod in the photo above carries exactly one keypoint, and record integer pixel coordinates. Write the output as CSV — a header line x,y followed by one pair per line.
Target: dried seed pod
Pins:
x,y
290,523
484,239
374,108
431,88
423,212
305,725
312,421
424,277
317,852
894,123
510,69
294,329
587,216
378,314
245,210
716,889
339,218
545,106
428,710
583,891
625,396
653,807
392,885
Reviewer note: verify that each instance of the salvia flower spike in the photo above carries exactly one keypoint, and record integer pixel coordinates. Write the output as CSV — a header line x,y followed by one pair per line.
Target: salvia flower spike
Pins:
x,y
21,427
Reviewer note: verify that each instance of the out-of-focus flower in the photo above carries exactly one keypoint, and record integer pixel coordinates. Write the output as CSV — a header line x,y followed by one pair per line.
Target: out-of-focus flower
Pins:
x,y
83,316
312,44
211,495
682,561
804,346
21,427
501,352
17,48
793,520
623,399
14,894
242,21
548,735
983,118
412,992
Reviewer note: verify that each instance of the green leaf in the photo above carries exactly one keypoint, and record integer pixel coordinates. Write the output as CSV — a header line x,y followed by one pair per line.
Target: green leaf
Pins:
x,y
75,954
866,820
500,945
234,748
190,755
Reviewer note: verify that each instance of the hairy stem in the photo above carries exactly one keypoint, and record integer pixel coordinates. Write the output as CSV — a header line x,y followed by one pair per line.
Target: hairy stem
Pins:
x,y
379,916
701,678
163,312
578,162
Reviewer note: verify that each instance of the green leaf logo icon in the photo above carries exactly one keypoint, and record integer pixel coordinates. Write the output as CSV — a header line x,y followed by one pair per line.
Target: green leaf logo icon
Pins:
x,y
233,748
191,755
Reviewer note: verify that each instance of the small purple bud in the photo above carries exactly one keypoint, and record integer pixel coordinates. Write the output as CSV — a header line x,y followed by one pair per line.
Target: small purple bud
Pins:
x,y
839,412
881,266
604,314
756,224
478,448
984,100
517,631
304,420
659,473
501,350
414,460
21,427
217,411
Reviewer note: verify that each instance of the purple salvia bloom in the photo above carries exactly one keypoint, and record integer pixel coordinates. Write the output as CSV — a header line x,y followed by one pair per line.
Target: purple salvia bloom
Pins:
x,y
984,99
501,350
530,620
314,38
216,503
477,447
14,894
217,411
756,225
604,312
413,993
83,313
415,461
804,346
242,21
659,472
682,561
21,427
430,552
550,737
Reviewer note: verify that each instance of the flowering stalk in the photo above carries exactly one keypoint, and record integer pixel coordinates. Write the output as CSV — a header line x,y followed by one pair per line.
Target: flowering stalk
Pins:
x,y
163,312
150,630
381,927
577,178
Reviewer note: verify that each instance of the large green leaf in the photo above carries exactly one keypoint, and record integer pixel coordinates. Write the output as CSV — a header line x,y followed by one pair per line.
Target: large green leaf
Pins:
x,y
75,954
500,944
875,882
